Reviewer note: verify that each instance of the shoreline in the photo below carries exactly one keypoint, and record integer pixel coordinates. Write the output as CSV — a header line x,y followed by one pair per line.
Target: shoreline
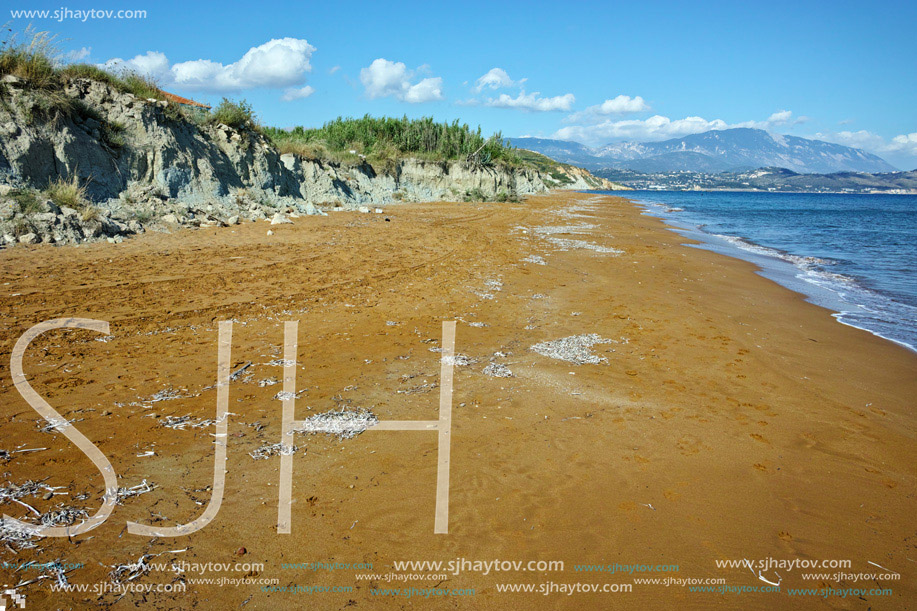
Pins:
x,y
795,271
730,418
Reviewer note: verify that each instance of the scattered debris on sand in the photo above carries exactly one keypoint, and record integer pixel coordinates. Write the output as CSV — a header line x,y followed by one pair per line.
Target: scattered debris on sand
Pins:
x,y
179,423
141,488
548,233
344,423
63,516
498,370
575,349
494,285
273,449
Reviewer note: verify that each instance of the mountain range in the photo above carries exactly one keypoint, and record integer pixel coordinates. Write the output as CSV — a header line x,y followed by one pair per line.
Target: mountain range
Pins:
x,y
727,150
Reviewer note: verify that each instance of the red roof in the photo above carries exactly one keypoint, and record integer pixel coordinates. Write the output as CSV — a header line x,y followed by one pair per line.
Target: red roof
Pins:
x,y
180,100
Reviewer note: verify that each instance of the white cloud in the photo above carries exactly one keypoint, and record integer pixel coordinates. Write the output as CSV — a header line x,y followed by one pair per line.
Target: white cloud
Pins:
x,y
619,105
496,78
297,93
278,63
777,119
780,117
901,145
151,63
532,102
906,143
78,55
623,104
656,127
384,78
425,91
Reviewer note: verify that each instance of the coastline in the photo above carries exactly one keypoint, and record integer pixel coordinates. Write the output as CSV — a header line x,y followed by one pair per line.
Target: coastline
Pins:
x,y
854,300
733,419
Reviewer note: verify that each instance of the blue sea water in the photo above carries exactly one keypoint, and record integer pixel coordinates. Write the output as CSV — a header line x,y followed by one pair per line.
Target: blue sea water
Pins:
x,y
853,254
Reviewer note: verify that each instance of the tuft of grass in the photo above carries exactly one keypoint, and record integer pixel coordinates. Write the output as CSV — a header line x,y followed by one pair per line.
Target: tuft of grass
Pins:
x,y
475,195
68,193
86,71
26,200
113,134
504,197
34,60
236,115
141,86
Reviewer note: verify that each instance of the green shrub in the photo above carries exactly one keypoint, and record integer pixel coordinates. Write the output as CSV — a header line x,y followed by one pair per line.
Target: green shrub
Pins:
x,y
26,200
504,197
475,195
234,114
381,139
113,134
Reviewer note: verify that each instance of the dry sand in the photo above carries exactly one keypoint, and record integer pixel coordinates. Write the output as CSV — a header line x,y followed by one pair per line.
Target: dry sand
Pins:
x,y
726,418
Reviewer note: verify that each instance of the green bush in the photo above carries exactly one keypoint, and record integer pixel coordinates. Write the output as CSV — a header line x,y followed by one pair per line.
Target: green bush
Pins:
x,y
379,139
234,114
26,200
113,134
475,195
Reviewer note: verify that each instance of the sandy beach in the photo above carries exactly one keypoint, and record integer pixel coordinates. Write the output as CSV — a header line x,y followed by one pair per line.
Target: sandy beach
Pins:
x,y
722,418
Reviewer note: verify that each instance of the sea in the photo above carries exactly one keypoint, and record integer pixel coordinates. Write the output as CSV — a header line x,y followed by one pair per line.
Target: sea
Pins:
x,y
853,254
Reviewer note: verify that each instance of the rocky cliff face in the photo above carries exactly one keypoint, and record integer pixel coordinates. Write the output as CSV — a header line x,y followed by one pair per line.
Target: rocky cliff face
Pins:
x,y
144,165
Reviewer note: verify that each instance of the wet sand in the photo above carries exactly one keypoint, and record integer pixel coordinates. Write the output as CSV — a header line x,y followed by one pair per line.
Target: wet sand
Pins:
x,y
728,418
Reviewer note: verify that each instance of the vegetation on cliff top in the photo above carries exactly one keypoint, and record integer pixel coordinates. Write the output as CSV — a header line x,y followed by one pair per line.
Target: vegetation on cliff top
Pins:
x,y
385,139
382,141
34,58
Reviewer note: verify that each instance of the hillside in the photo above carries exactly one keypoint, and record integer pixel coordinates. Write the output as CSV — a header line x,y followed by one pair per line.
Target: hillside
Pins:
x,y
86,155
557,175
733,150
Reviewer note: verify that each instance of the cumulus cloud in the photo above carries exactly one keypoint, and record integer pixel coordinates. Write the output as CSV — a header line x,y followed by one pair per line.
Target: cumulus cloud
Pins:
x,y
297,93
78,55
658,127
532,102
384,78
903,145
619,105
777,119
623,104
277,64
496,78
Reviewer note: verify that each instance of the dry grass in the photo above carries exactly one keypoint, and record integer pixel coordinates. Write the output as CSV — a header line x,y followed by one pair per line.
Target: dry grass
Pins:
x,y
68,193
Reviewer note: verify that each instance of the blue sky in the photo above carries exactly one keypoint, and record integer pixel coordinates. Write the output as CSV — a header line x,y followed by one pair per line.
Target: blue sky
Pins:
x,y
592,72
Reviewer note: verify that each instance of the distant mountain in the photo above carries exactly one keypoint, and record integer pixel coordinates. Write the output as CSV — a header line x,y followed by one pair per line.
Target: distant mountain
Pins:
x,y
728,150
767,179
